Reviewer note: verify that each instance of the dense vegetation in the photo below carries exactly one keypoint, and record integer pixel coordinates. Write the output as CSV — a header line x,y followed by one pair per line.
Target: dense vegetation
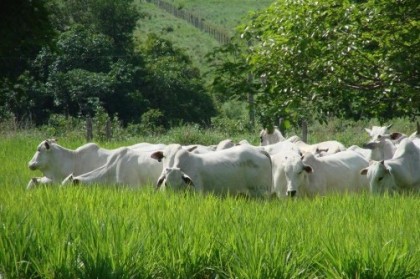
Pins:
x,y
110,232
313,59
299,60
91,63
61,61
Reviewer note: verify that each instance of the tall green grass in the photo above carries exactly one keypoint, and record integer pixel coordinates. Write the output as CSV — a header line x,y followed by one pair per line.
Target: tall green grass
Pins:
x,y
102,232
109,232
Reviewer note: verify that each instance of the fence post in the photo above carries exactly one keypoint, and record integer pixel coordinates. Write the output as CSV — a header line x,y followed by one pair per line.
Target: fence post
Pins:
x,y
89,129
304,131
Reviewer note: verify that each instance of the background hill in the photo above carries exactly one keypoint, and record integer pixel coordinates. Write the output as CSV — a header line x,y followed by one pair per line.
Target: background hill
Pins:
x,y
225,15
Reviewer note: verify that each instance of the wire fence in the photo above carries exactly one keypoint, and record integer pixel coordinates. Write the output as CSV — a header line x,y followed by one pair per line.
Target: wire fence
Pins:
x,y
217,32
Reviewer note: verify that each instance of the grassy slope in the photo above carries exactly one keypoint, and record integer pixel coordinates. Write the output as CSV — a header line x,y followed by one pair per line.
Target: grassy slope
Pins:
x,y
197,44
184,36
221,12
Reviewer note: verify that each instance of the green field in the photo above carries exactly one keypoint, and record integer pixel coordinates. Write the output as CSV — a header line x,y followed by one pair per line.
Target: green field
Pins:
x,y
109,232
227,14
224,14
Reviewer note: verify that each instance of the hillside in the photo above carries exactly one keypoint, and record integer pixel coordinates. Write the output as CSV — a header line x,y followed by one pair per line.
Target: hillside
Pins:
x,y
225,14
221,12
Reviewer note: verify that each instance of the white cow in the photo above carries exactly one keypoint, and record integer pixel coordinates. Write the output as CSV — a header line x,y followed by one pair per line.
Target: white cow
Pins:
x,y
279,147
225,144
125,166
367,153
336,173
239,170
399,174
380,132
267,137
199,148
381,149
322,148
279,162
147,147
57,162
274,148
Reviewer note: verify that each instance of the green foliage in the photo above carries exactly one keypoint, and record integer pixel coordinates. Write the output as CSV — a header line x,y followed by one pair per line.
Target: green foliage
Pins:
x,y
152,121
24,29
232,118
174,85
317,59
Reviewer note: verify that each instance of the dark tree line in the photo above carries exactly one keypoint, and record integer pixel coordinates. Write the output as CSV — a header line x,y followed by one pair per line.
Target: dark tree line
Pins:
x,y
80,56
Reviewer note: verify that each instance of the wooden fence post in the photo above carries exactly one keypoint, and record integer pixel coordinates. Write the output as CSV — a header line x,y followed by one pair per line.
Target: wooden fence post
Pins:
x,y
304,131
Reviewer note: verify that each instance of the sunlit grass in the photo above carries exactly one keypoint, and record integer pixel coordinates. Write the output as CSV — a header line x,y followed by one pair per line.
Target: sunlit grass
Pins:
x,y
110,232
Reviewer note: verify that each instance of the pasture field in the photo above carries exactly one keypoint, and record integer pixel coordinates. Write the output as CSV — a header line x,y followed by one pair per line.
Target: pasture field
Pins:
x,y
183,35
109,232
224,14
227,14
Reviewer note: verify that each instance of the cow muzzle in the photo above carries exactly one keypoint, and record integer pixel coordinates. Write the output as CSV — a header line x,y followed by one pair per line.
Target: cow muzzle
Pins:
x,y
33,166
291,193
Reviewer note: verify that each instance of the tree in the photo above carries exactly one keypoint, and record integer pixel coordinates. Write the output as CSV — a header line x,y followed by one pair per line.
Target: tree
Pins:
x,y
24,29
173,85
349,59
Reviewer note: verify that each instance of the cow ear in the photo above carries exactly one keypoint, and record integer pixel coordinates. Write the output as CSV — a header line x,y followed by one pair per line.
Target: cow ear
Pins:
x,y
47,144
370,145
187,180
192,148
395,136
158,155
364,171
369,131
308,169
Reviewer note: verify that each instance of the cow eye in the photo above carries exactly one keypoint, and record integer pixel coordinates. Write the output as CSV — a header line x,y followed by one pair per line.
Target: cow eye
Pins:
x,y
380,178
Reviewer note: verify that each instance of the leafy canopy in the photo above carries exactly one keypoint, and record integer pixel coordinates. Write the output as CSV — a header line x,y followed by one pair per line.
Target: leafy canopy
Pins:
x,y
313,59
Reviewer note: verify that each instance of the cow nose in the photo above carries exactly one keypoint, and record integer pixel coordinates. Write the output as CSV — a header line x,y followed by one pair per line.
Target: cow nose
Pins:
x,y
291,193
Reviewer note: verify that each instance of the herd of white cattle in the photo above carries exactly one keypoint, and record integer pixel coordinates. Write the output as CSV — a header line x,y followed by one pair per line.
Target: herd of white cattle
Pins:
x,y
389,162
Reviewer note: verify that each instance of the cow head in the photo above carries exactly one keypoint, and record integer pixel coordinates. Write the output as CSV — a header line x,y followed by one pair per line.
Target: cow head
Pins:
x,y
377,132
295,171
175,179
270,135
379,177
42,156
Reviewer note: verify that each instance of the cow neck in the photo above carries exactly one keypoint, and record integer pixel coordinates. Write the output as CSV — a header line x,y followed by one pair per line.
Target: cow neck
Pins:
x,y
64,166
186,162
